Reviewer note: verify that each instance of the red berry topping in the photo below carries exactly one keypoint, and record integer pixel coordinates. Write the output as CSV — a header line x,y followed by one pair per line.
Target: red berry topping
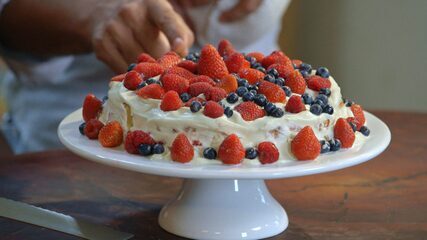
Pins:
x,y
202,78
231,150
92,128
135,138
267,152
305,145
295,104
92,107
316,83
171,101
182,151
215,94
296,82
276,57
252,75
149,70
211,63
118,78
132,80
359,116
129,146
235,62
225,48
228,83
145,57
344,133
284,70
250,111
175,83
198,88
111,135
189,65
296,62
154,91
257,55
213,110
272,92
169,59
182,72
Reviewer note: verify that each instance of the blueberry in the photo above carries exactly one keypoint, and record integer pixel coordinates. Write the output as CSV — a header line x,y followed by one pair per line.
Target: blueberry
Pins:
x,y
195,106
261,69
325,91
141,85
322,97
316,109
145,149
328,109
131,66
307,99
323,72
82,128
294,65
248,96
252,87
196,54
365,130
269,77
353,126
251,60
251,153
319,102
324,146
305,67
232,98
348,103
335,145
228,112
241,91
277,113
209,153
269,107
260,100
304,74
273,71
104,99
287,90
185,97
256,65
280,81
151,81
241,82
158,148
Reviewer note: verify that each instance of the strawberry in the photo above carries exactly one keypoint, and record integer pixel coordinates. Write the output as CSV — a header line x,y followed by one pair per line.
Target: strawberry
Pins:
x,y
202,78
92,107
359,116
231,150
182,72
174,82
145,57
276,57
257,55
118,78
132,80
267,152
305,145
225,48
169,59
235,62
154,91
149,70
111,135
295,104
135,138
182,151
200,100
296,62
213,110
284,70
171,101
211,63
189,65
250,111
198,88
317,82
228,83
344,133
296,83
252,75
215,94
92,128
272,92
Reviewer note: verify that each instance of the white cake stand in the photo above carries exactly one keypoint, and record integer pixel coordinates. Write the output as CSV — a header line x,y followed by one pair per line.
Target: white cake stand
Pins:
x,y
219,201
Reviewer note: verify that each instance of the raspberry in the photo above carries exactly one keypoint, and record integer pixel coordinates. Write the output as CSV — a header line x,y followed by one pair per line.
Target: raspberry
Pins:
x,y
235,62
296,83
132,80
169,59
211,63
145,57
92,128
189,65
272,92
267,152
359,116
171,101
175,83
250,111
284,70
296,62
305,145
228,83
129,146
182,151
316,83
276,57
295,104
118,78
148,69
252,75
154,91
92,107
231,150
257,55
182,72
200,100
225,48
111,135
344,133
215,94
213,110
198,88
202,78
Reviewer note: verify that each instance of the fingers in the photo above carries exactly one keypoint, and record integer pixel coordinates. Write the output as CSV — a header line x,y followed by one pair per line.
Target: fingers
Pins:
x,y
242,9
108,52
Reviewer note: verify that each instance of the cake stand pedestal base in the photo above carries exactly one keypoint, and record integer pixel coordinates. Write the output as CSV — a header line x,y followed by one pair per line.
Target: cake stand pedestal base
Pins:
x,y
224,209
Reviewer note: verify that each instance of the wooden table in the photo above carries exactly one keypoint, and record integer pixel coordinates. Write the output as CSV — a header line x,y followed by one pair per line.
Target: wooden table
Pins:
x,y
385,198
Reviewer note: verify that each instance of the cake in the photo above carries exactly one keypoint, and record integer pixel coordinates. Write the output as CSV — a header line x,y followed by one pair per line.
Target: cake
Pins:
x,y
221,106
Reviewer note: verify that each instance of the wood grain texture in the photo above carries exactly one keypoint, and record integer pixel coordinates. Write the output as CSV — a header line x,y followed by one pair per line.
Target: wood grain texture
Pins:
x,y
385,198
